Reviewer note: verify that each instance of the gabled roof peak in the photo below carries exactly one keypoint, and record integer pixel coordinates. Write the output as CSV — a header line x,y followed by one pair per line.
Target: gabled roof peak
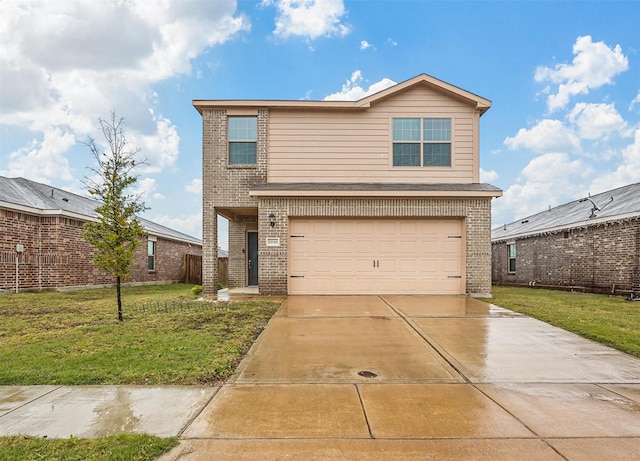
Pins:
x,y
481,104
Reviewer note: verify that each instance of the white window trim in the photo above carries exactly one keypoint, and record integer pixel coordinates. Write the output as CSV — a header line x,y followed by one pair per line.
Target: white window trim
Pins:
x,y
154,239
229,141
420,167
509,258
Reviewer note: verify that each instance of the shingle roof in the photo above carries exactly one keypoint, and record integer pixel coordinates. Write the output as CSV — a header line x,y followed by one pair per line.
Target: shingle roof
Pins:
x,y
375,189
616,204
21,193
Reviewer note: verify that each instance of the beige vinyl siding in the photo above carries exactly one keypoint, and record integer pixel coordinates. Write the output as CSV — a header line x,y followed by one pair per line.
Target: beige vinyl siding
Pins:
x,y
355,145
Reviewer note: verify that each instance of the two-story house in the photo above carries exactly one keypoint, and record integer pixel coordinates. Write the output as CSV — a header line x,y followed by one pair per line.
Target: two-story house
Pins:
x,y
380,195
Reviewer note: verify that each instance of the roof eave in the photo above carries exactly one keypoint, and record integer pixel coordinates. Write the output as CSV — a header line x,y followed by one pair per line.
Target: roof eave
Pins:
x,y
481,104
568,226
202,104
369,193
83,217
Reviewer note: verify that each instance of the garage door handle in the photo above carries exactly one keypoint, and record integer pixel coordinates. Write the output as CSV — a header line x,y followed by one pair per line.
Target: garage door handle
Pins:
x,y
296,276
454,276
376,263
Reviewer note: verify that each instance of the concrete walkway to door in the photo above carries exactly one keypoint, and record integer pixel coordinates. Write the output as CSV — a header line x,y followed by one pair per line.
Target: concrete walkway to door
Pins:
x,y
416,377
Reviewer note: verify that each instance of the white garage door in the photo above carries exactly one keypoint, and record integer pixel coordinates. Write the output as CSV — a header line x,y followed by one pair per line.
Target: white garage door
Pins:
x,y
364,256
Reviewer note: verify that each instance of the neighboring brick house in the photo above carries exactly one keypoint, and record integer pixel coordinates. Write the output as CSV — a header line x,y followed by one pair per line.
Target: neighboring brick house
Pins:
x,y
380,195
591,244
47,222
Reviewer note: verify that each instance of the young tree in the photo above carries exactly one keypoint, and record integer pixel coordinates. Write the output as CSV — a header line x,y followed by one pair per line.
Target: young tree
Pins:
x,y
116,233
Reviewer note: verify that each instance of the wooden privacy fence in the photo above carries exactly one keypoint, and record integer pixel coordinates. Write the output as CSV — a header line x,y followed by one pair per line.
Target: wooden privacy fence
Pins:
x,y
193,270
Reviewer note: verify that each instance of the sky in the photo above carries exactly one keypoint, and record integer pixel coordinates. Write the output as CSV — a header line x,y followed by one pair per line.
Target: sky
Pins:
x,y
563,78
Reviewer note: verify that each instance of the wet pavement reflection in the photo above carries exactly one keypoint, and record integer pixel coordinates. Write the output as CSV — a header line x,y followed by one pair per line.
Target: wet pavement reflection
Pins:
x,y
419,377
376,377
96,411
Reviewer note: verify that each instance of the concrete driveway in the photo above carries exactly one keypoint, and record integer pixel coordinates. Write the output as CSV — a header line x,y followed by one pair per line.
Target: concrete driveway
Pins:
x,y
416,377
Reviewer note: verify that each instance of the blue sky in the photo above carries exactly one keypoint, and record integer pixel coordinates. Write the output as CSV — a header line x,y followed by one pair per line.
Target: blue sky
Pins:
x,y
564,78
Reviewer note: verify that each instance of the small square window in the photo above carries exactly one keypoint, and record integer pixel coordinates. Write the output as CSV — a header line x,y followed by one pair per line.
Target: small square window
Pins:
x,y
406,154
437,155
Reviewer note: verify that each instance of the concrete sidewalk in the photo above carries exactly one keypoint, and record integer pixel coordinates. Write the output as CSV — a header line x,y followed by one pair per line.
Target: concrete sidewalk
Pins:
x,y
368,377
416,377
96,411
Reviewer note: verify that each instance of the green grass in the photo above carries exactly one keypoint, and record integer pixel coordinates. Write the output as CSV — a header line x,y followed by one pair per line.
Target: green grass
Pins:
x,y
121,447
607,320
167,337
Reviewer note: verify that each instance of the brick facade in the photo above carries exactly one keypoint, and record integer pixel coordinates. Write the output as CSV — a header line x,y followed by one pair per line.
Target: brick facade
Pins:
x,y
476,214
56,256
603,258
225,190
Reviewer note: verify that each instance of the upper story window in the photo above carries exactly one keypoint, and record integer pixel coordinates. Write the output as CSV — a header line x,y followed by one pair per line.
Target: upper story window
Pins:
x,y
422,142
243,137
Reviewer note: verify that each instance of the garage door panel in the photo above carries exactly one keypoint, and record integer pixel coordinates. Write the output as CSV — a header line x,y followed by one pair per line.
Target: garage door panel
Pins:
x,y
323,228
343,246
450,247
344,227
365,265
365,228
376,255
451,227
343,266
363,246
407,246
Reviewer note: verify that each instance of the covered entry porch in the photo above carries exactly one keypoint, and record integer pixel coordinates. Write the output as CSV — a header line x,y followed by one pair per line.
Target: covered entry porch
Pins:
x,y
243,246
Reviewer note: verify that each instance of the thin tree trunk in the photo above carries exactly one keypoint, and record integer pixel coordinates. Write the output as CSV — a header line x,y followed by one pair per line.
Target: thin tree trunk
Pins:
x,y
119,298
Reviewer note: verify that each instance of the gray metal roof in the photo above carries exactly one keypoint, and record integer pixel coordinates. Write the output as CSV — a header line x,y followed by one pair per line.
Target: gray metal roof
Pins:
x,y
21,193
616,204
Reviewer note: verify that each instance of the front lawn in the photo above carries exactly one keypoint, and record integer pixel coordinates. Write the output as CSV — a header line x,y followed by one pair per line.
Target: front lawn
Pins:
x,y
167,336
609,320
123,447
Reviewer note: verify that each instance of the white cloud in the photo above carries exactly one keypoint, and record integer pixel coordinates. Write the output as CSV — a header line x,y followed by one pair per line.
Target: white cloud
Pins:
x,y
195,186
161,148
627,172
352,91
190,225
66,63
595,121
364,45
391,42
41,160
547,136
488,176
548,180
594,65
309,18
144,188
635,101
